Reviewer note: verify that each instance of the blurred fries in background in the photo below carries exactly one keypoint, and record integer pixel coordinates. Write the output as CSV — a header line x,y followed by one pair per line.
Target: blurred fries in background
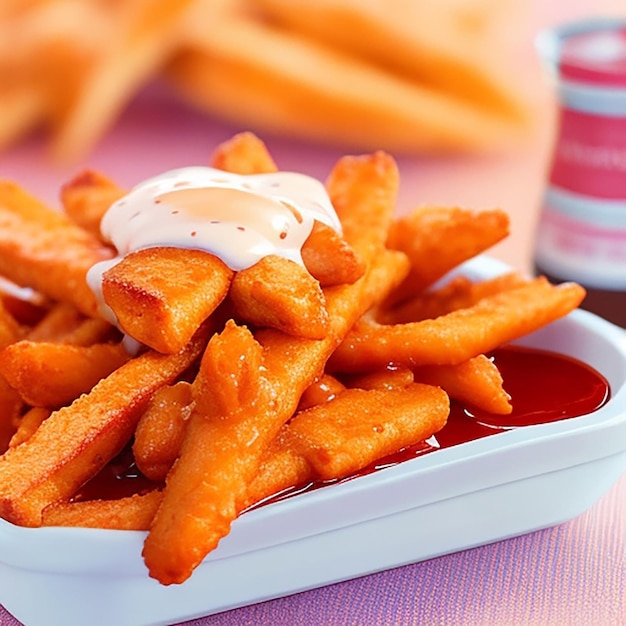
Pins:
x,y
402,76
245,383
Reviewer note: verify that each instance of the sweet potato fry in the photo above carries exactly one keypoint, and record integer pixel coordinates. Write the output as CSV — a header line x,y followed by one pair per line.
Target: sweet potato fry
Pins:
x,y
476,383
459,293
244,153
278,293
64,323
437,239
347,434
10,408
360,426
28,424
460,335
324,389
161,296
86,198
53,374
388,378
329,258
161,430
75,442
30,254
130,513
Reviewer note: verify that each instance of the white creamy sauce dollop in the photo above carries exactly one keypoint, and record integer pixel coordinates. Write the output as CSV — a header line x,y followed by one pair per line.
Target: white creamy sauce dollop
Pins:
x,y
238,218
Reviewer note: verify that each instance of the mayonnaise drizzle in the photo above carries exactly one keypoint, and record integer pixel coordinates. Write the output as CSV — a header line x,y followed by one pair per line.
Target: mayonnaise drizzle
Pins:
x,y
238,218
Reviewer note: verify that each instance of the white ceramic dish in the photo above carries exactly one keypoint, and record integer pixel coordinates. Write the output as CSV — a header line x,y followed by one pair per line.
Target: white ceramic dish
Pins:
x,y
455,498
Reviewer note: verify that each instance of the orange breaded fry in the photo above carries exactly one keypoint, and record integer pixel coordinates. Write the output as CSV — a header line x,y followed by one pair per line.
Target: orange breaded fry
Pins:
x,y
329,258
459,335
30,255
53,374
161,430
324,389
459,293
360,426
10,408
244,153
28,424
64,323
207,487
86,198
130,513
388,378
437,239
345,435
76,441
278,293
162,295
476,383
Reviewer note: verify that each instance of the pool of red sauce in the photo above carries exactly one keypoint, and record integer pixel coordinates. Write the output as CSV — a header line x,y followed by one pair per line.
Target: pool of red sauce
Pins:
x,y
544,387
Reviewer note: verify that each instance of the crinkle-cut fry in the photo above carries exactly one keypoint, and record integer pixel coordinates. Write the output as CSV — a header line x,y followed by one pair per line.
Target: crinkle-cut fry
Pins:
x,y
329,258
53,374
207,487
143,40
76,441
427,45
28,424
322,390
130,513
161,430
458,293
30,254
244,153
438,239
476,383
265,78
459,335
87,197
278,293
162,295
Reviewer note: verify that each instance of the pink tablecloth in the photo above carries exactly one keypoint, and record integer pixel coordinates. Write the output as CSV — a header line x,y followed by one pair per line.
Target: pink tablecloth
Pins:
x,y
572,574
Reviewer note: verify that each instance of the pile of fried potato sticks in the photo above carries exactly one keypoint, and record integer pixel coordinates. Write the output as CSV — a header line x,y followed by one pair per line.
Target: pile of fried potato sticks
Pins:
x,y
398,75
250,382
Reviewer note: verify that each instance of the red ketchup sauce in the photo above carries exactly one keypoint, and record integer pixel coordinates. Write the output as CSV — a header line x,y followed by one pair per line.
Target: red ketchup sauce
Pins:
x,y
544,387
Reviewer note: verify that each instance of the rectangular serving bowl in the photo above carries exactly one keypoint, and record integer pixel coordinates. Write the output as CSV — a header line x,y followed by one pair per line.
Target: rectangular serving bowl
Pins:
x,y
472,494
